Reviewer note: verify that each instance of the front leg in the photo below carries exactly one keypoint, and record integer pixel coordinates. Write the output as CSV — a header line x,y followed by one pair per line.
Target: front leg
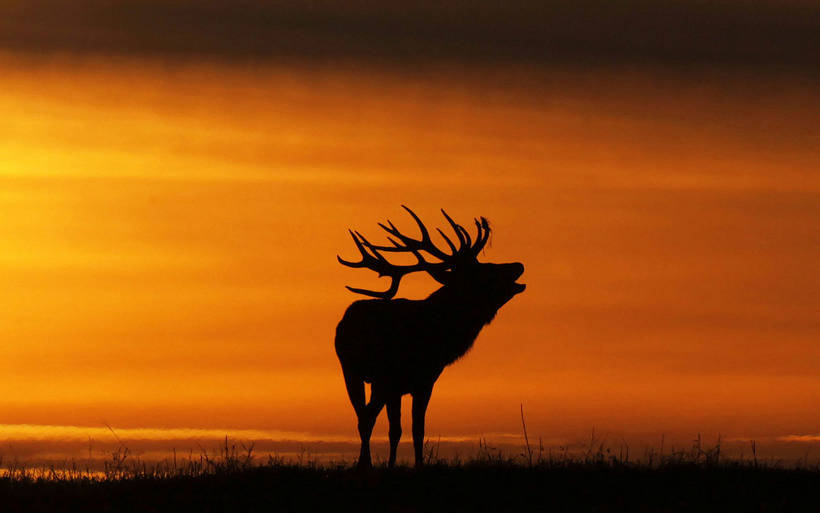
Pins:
x,y
394,418
421,398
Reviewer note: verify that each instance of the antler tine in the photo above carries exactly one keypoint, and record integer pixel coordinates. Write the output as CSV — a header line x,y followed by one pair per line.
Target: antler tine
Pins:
x,y
396,243
372,259
459,232
359,247
467,239
409,243
479,232
426,241
397,246
372,247
425,235
387,294
483,235
448,241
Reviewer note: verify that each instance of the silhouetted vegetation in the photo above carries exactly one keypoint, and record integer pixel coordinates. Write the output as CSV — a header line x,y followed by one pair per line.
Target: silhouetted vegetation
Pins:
x,y
597,479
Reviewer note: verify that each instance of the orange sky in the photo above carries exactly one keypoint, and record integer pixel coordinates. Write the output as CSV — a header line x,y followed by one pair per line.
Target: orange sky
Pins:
x,y
169,234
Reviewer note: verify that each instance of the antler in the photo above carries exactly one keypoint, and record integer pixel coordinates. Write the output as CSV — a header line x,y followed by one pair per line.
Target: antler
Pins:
x,y
373,259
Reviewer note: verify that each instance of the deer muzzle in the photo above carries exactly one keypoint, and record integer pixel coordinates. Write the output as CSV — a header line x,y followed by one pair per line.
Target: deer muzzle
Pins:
x,y
516,270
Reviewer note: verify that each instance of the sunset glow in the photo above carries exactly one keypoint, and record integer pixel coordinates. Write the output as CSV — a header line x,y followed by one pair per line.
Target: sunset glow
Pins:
x,y
169,237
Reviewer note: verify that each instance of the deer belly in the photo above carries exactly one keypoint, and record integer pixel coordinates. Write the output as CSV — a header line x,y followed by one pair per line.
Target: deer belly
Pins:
x,y
400,375
391,351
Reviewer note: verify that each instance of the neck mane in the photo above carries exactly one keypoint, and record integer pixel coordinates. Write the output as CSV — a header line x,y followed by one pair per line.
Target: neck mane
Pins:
x,y
466,313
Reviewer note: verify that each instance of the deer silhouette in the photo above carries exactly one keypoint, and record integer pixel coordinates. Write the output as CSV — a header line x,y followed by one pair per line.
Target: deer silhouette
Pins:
x,y
401,346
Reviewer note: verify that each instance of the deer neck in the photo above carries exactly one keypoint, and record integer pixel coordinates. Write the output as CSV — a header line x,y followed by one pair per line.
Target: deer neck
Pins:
x,y
462,315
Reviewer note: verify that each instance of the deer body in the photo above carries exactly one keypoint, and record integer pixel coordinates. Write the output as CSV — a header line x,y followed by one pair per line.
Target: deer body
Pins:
x,y
401,346
396,351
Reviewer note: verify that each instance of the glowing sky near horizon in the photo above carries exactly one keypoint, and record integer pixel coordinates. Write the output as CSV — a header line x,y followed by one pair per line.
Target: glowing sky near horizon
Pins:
x,y
168,243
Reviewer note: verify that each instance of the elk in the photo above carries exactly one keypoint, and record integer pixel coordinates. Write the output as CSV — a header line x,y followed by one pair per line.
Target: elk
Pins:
x,y
401,346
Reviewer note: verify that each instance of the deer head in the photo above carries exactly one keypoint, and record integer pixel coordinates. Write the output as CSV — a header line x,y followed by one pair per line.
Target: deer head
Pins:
x,y
457,269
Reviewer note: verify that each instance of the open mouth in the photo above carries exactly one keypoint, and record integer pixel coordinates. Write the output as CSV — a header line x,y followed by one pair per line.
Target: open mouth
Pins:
x,y
518,287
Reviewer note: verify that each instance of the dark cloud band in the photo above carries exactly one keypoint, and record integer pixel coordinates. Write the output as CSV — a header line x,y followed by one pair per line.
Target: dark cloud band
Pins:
x,y
756,34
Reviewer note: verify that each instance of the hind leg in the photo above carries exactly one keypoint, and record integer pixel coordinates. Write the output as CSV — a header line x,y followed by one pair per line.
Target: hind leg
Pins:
x,y
366,413
394,417
366,422
355,390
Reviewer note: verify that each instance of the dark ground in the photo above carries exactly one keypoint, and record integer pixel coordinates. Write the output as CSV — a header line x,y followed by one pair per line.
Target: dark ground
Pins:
x,y
491,487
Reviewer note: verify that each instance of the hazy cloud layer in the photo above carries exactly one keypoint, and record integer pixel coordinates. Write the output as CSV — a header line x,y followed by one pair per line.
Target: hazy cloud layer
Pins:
x,y
774,35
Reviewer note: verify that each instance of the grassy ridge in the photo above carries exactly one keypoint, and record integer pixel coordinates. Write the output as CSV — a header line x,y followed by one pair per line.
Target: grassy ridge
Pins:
x,y
438,488
689,482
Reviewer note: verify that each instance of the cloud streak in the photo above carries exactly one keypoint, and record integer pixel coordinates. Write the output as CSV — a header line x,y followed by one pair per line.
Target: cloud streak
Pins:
x,y
773,35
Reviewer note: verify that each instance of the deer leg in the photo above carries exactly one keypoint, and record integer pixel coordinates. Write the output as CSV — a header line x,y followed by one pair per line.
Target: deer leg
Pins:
x,y
420,400
355,390
365,412
394,417
367,420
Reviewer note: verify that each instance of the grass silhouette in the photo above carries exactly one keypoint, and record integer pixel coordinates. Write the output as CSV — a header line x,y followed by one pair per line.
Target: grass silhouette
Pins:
x,y
595,479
